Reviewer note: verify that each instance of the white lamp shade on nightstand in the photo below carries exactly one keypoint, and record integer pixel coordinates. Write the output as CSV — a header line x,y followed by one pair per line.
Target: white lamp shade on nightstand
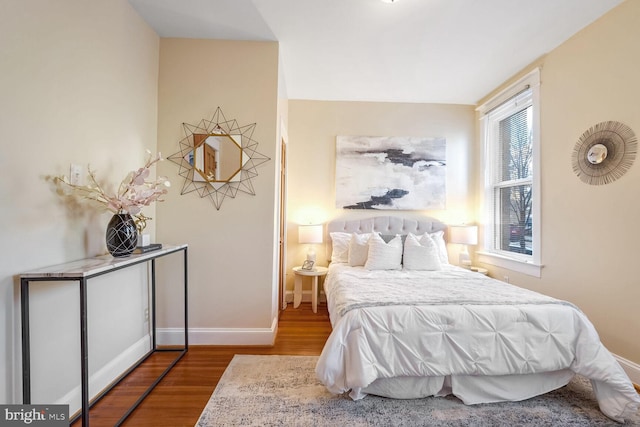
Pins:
x,y
464,235
310,234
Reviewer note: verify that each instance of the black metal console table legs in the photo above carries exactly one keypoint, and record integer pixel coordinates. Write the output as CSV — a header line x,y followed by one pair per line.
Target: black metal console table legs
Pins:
x,y
81,275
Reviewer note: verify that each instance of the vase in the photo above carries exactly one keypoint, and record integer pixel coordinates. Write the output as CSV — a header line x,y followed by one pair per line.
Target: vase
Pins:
x,y
122,235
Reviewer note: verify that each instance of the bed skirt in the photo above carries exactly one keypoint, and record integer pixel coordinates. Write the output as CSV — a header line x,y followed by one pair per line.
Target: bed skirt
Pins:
x,y
470,389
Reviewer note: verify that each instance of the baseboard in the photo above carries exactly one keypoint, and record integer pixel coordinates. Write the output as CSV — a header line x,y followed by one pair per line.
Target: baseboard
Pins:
x,y
107,374
632,369
219,336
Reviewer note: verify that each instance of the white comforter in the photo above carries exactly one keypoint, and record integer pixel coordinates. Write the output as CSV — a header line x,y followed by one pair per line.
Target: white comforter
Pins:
x,y
454,322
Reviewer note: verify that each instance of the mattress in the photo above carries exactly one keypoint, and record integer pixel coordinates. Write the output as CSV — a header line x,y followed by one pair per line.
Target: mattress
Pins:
x,y
407,334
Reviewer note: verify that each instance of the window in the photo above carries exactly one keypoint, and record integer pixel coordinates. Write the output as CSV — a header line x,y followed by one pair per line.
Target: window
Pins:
x,y
511,192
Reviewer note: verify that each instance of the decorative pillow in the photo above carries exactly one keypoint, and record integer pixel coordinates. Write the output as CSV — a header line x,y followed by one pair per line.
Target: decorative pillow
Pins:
x,y
382,255
340,246
421,253
358,249
438,237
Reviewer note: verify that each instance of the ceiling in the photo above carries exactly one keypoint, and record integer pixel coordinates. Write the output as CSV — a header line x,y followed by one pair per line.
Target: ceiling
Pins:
x,y
440,51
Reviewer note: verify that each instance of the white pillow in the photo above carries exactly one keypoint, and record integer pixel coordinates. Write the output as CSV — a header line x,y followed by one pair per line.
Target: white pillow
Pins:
x,y
438,237
358,249
384,256
340,246
421,253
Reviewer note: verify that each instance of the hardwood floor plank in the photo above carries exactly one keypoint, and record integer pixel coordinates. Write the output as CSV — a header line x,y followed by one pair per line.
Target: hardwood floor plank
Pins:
x,y
182,395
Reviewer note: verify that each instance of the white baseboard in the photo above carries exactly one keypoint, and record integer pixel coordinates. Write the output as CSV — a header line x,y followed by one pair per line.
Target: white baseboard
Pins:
x,y
107,374
631,368
219,336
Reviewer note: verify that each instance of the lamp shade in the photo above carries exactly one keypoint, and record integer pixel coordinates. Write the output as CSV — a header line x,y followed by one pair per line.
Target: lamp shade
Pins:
x,y
463,234
310,233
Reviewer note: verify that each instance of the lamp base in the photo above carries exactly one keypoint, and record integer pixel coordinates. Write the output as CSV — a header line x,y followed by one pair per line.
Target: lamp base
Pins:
x,y
464,259
311,255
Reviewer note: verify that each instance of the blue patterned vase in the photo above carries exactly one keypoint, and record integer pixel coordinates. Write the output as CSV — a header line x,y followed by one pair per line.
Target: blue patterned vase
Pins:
x,y
122,235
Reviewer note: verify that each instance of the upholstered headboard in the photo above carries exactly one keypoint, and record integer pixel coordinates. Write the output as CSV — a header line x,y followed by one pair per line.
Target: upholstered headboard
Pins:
x,y
387,225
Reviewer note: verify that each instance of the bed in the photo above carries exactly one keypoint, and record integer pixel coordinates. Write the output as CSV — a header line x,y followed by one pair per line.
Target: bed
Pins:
x,y
412,326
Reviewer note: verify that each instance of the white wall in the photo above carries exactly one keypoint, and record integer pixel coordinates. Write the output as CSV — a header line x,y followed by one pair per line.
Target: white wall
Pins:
x,y
79,85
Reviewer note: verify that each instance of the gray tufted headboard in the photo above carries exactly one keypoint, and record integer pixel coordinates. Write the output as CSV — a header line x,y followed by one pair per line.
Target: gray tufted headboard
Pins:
x,y
384,225
387,225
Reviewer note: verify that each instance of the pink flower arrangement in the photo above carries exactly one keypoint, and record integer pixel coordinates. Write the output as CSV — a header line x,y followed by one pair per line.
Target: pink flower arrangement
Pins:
x,y
134,192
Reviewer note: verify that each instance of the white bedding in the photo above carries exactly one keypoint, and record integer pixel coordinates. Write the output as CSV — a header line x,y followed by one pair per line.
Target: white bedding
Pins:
x,y
469,334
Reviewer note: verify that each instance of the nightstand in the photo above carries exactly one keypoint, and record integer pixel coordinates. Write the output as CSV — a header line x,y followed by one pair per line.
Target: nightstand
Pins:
x,y
479,270
297,290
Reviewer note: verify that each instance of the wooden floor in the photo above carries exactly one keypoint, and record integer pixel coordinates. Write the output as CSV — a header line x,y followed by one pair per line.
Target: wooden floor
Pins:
x,y
179,399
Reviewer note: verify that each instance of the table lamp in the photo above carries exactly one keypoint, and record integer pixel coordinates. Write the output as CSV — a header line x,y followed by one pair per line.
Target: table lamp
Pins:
x,y
310,234
464,235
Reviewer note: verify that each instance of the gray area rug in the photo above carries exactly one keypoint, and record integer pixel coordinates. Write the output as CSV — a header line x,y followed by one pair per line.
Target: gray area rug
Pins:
x,y
284,391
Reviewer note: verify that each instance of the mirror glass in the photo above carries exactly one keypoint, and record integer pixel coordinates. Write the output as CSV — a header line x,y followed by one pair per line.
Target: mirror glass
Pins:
x,y
216,157
597,154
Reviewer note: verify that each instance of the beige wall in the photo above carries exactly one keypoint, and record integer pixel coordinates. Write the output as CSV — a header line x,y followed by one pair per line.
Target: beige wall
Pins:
x,y
313,127
589,233
232,273
78,85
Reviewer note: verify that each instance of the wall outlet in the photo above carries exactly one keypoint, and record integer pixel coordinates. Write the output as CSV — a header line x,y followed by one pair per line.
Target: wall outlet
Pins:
x,y
75,174
146,314
506,279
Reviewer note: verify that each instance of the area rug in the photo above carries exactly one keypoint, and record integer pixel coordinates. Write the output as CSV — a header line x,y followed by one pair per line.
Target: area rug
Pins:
x,y
284,391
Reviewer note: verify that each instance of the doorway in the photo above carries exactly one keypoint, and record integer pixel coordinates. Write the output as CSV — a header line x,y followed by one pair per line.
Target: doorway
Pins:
x,y
282,237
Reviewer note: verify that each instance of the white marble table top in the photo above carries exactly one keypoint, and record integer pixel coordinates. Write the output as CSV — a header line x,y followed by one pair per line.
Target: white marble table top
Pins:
x,y
91,266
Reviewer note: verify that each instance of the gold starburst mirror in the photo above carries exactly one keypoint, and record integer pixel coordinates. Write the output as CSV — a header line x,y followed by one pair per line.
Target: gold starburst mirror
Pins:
x,y
604,153
218,158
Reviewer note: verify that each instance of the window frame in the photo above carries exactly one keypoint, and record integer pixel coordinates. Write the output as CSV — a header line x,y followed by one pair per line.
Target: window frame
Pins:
x,y
491,112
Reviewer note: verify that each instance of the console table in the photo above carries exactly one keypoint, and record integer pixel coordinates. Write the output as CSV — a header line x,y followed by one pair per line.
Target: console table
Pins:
x,y
81,271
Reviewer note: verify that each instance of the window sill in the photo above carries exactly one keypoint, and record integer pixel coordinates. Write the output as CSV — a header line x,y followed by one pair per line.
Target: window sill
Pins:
x,y
521,266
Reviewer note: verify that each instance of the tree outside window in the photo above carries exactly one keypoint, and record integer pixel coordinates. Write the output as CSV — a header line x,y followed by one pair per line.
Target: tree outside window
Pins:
x,y
514,190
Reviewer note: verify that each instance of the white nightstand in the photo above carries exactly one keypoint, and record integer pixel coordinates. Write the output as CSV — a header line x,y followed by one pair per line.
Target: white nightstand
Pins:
x,y
297,290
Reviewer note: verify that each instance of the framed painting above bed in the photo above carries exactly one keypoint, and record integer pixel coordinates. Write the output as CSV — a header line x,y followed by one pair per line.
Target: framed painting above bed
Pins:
x,y
395,173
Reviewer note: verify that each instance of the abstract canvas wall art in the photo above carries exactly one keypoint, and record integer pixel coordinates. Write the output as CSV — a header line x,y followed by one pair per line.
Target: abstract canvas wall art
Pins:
x,y
395,173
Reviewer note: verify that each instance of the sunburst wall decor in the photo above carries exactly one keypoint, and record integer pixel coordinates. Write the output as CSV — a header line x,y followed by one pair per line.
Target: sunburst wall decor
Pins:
x,y
218,158
604,153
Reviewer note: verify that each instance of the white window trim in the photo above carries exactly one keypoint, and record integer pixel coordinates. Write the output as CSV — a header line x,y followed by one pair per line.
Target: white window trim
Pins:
x,y
530,265
510,263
